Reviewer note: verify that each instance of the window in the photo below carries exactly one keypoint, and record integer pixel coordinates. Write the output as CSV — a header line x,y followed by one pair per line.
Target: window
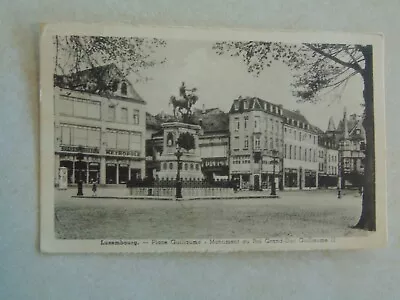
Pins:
x,y
277,145
300,153
111,113
124,88
123,140
305,154
93,138
66,106
295,134
136,119
257,143
315,139
236,105
246,142
237,124
80,136
245,105
171,165
124,115
245,122
295,152
135,141
314,159
115,86
256,123
191,166
300,136
80,108
271,143
277,126
309,155
65,135
285,154
112,139
93,110
235,145
290,152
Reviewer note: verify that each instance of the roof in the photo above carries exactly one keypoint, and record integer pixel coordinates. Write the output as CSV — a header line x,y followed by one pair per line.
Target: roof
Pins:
x,y
331,125
354,126
98,80
244,104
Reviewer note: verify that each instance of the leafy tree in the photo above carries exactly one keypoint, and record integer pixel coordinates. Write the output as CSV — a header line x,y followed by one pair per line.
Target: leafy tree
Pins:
x,y
186,141
320,68
130,54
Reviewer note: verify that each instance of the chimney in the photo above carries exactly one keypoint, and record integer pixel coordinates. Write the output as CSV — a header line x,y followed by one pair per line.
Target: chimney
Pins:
x,y
345,129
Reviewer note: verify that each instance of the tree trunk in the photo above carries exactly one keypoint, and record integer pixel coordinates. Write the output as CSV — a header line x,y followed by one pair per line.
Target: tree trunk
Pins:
x,y
368,215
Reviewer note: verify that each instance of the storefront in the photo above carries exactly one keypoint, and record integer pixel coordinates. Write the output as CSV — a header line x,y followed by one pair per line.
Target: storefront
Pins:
x,y
215,167
310,178
291,178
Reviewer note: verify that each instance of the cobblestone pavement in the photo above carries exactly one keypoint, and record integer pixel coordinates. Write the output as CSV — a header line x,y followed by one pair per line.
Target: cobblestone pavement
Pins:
x,y
295,214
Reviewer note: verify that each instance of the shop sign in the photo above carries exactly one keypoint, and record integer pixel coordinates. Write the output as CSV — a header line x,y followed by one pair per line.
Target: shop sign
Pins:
x,y
215,163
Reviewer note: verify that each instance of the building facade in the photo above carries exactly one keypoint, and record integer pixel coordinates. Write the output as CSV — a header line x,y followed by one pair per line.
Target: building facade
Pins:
x,y
106,125
300,152
256,143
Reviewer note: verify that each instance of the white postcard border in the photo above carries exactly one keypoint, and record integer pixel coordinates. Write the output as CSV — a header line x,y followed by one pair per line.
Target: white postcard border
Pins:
x,y
48,242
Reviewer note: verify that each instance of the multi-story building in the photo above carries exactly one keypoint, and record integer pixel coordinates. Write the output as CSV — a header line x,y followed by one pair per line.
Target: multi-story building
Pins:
x,y
300,151
328,156
98,113
351,149
256,142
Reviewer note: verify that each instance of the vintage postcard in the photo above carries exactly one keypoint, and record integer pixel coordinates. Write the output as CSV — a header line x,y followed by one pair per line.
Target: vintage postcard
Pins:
x,y
182,139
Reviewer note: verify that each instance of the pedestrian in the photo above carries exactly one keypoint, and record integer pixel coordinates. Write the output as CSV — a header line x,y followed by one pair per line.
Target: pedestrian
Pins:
x,y
94,188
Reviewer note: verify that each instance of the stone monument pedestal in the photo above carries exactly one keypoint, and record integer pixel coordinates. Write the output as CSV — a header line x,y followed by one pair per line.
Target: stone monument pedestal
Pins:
x,y
190,161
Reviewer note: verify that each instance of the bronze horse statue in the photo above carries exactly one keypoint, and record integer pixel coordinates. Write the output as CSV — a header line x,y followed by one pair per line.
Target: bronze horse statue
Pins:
x,y
183,103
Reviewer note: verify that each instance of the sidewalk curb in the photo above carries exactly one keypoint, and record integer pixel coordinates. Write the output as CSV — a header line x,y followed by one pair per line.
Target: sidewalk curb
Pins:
x,y
181,199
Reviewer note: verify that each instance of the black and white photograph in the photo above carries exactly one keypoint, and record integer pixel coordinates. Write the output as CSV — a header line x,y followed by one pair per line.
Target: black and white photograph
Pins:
x,y
184,139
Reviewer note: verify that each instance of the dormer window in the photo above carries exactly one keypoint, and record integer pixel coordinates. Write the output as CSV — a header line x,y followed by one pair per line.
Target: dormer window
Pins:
x,y
115,85
124,88
236,105
245,105
265,106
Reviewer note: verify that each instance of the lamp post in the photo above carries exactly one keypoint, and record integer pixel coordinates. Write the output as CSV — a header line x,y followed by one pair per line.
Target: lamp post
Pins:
x,y
79,157
274,161
178,154
340,170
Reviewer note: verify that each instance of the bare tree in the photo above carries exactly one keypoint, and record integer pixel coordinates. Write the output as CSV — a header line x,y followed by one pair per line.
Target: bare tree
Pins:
x,y
320,68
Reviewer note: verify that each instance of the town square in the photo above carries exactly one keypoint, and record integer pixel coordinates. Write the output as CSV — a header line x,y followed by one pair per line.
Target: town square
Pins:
x,y
142,154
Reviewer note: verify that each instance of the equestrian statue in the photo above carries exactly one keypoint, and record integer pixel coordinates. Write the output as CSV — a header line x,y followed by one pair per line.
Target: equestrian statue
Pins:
x,y
182,107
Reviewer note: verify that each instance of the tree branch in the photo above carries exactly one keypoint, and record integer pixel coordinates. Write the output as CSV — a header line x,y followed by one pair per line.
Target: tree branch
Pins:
x,y
335,59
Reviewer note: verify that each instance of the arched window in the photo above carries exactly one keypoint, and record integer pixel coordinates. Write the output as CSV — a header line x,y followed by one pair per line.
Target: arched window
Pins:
x,y
171,165
165,166
191,166
124,88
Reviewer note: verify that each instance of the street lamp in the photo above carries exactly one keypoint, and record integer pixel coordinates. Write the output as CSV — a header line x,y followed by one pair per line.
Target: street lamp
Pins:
x,y
178,154
79,157
274,161
340,170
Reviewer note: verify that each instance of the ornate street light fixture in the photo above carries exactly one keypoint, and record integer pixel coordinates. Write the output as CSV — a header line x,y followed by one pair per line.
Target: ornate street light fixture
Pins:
x,y
178,154
274,161
79,158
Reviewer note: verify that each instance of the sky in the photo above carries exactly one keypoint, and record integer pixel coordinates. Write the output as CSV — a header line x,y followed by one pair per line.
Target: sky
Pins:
x,y
221,79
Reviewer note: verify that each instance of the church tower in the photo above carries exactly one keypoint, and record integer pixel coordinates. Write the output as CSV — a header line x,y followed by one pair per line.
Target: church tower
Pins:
x,y
331,125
